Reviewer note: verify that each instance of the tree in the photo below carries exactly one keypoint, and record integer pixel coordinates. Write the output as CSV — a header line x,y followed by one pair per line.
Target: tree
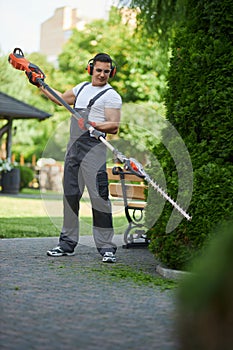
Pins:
x,y
158,18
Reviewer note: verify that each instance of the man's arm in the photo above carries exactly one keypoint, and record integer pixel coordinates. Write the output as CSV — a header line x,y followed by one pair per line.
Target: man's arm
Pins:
x,y
113,116
67,96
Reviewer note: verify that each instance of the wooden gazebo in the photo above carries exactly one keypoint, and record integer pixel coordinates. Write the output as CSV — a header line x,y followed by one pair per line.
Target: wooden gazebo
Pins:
x,y
10,109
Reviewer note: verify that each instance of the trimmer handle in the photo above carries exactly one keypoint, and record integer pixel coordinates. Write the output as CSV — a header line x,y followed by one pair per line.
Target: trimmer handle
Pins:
x,y
17,60
18,53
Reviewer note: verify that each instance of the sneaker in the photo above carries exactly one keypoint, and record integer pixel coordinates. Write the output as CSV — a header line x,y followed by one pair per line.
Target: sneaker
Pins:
x,y
109,257
58,251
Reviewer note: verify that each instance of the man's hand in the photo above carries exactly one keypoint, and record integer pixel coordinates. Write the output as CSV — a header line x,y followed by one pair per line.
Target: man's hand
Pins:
x,y
35,74
83,123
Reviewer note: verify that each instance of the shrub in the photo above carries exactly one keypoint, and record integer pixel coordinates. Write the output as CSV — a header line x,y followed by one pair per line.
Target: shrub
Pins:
x,y
199,105
26,176
211,203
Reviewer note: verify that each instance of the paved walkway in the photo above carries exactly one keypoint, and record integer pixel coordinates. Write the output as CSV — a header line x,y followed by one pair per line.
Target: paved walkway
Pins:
x,y
71,303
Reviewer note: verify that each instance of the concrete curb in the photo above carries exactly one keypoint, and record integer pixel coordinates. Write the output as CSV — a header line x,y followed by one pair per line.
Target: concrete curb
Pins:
x,y
171,274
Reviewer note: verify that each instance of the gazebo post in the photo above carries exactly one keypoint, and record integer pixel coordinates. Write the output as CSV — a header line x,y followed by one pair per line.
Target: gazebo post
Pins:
x,y
9,140
3,129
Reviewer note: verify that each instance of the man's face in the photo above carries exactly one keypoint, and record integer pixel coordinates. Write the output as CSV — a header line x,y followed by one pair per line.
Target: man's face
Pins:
x,y
101,72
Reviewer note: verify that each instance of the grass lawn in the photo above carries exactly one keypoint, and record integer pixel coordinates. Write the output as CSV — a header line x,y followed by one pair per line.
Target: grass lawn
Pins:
x,y
30,217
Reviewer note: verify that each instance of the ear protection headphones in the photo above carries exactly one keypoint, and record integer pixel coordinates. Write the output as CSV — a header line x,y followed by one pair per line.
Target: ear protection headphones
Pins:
x,y
91,62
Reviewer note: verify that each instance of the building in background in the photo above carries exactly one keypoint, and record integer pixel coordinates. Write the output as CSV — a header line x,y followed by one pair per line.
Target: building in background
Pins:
x,y
56,30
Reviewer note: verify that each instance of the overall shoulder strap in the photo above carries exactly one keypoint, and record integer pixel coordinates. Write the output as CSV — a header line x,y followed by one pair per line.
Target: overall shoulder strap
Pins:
x,y
85,84
92,101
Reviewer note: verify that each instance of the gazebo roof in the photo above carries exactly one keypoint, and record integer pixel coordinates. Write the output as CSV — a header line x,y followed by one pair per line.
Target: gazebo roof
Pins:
x,y
11,108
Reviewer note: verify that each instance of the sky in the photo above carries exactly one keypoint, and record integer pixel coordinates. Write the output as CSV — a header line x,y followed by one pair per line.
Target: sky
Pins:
x,y
20,20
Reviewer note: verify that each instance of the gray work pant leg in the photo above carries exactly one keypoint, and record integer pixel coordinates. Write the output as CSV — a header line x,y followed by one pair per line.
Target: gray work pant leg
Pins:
x,y
86,165
73,185
96,180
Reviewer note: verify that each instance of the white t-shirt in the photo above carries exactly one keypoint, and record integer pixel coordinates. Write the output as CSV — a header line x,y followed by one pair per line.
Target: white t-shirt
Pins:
x,y
110,99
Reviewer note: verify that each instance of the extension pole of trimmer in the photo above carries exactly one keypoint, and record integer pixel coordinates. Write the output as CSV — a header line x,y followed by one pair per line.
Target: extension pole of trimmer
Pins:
x,y
57,97
18,61
131,163
98,134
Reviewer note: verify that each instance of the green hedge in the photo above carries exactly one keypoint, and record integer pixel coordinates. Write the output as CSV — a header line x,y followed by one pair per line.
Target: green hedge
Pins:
x,y
199,105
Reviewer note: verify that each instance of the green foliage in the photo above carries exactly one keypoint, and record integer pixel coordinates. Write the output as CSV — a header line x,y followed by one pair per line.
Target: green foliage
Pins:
x,y
141,124
205,296
211,203
159,18
199,105
26,176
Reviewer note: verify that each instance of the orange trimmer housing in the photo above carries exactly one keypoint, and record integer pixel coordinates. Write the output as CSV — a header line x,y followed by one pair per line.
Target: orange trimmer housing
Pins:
x,y
18,61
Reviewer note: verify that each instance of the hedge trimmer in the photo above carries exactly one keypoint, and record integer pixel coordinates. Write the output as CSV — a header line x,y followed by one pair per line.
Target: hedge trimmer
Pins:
x,y
36,77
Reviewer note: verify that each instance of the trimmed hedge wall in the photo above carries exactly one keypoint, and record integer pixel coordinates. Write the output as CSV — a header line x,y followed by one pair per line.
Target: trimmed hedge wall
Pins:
x,y
199,105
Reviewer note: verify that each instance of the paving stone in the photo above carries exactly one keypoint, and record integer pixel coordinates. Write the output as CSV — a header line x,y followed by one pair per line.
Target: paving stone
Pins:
x,y
65,303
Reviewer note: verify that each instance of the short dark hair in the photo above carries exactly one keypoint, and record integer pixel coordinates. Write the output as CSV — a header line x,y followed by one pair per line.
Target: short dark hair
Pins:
x,y
102,57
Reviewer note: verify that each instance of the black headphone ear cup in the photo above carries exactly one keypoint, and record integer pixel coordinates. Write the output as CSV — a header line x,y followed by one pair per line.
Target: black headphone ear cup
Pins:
x,y
113,72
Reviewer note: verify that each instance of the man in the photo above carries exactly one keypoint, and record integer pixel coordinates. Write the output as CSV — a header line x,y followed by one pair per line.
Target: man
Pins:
x,y
85,161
